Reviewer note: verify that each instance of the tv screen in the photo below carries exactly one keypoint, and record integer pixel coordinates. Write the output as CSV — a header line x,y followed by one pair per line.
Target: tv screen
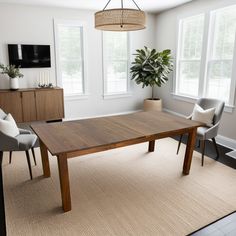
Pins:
x,y
29,56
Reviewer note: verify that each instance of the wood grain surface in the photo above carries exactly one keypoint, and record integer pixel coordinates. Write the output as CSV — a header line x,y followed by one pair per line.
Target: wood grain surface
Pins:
x,y
75,138
10,102
29,106
110,132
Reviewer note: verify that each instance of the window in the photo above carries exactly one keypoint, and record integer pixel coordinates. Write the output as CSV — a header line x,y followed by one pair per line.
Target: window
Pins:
x,y
206,54
70,61
115,62
221,54
190,55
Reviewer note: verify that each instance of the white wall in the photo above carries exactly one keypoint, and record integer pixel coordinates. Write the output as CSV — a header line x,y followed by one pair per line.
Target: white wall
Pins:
x,y
34,25
166,37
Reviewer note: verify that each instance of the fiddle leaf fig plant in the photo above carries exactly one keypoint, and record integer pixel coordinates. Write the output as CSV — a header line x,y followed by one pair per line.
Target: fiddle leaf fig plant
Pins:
x,y
12,71
151,68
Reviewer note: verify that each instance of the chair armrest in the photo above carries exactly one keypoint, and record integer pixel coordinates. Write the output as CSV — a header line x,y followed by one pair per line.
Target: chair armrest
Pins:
x,y
212,131
189,117
25,131
8,143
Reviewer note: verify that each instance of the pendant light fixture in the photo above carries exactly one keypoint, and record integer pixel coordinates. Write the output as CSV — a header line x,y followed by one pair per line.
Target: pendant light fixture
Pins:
x,y
120,19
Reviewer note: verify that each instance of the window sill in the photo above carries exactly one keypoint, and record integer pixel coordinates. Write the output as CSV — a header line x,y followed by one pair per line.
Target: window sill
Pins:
x,y
76,97
228,108
118,95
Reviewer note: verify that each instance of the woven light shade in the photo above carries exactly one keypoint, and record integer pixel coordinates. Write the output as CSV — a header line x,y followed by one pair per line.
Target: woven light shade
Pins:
x,y
120,19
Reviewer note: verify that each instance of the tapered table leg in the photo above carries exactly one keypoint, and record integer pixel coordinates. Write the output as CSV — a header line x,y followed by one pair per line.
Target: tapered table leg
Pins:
x,y
151,146
45,161
3,230
64,182
189,151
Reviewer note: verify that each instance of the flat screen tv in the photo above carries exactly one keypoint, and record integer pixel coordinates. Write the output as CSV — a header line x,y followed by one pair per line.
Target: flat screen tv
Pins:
x,y
29,56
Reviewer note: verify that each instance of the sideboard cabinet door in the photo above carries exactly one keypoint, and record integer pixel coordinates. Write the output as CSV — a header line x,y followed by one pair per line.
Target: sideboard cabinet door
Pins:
x,y
49,104
10,102
28,106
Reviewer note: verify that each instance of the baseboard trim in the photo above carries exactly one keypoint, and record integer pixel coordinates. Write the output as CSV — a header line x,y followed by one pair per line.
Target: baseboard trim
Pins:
x,y
226,142
173,112
105,115
220,139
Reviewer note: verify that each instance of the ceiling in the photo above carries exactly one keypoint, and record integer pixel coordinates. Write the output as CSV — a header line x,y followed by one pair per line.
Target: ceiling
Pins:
x,y
146,5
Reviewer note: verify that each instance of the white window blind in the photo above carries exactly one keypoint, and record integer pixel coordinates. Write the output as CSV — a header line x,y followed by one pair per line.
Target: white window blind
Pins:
x,y
115,62
70,61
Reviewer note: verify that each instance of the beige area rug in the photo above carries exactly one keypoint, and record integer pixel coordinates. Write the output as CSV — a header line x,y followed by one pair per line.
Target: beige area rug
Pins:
x,y
124,191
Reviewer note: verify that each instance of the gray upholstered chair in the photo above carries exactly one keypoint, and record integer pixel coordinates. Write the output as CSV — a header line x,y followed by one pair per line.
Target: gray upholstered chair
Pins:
x,y
25,141
208,132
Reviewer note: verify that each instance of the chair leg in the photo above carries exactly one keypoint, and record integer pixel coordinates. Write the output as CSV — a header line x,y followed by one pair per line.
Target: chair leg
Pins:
x,y
199,143
29,164
180,140
33,153
10,156
217,150
203,143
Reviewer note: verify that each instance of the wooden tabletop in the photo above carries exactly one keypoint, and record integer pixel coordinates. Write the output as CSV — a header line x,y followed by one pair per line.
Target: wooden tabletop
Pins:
x,y
86,134
75,138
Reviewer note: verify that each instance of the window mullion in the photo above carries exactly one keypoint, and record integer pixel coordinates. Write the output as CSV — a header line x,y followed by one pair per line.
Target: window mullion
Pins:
x,y
178,55
204,58
233,77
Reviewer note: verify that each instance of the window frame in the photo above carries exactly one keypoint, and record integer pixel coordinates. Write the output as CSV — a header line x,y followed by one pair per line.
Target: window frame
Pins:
x,y
179,59
118,94
210,58
206,52
82,25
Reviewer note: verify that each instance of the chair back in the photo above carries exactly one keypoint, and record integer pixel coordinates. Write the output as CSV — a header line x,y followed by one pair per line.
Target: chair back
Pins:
x,y
207,103
2,114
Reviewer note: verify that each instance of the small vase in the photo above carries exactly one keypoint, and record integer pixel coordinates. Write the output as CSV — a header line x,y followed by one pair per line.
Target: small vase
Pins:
x,y
14,83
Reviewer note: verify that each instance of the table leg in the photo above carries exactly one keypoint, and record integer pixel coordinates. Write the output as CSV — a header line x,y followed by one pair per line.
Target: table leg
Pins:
x,y
45,161
151,147
189,151
64,182
3,230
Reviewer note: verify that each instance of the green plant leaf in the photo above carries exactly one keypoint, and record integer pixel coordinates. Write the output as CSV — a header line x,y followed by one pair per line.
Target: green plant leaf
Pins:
x,y
151,68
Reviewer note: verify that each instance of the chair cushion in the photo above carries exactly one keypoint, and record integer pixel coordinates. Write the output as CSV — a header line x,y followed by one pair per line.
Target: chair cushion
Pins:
x,y
26,141
205,116
8,126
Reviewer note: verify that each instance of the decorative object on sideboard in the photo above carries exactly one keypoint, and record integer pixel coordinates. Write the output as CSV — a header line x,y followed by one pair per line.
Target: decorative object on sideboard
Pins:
x,y
151,68
120,19
44,80
13,73
41,86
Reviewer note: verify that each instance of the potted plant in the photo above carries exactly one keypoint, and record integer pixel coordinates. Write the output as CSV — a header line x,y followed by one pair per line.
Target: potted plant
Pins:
x,y
151,68
13,73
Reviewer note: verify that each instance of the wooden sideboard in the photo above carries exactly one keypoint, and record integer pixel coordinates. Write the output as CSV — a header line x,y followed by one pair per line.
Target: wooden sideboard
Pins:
x,y
27,105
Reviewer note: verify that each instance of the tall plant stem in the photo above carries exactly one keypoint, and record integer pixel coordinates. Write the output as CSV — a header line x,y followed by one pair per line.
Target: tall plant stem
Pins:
x,y
152,92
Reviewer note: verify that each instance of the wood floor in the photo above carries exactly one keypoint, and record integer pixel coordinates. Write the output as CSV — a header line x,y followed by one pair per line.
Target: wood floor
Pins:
x,y
225,226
